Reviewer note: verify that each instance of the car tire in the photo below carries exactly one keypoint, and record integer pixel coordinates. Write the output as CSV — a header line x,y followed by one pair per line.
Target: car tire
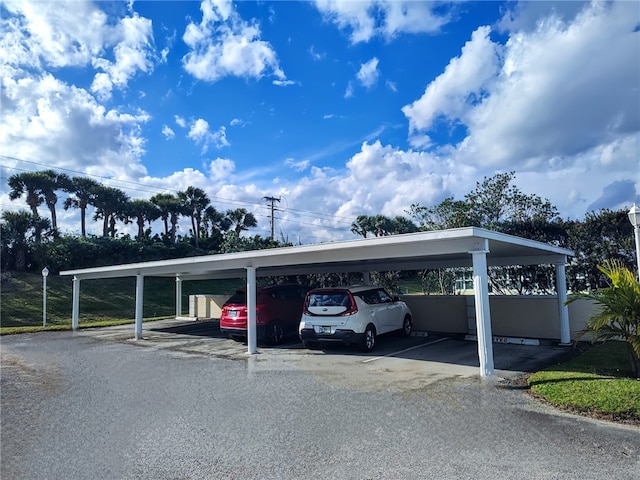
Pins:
x,y
311,345
274,334
407,326
369,340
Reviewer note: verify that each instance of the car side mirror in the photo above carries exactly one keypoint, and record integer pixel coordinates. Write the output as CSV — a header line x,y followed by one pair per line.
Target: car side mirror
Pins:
x,y
396,298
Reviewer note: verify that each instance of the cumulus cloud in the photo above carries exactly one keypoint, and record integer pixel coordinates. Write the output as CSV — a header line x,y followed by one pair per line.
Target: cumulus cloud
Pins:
x,y
49,121
368,73
168,132
78,34
200,133
454,93
545,101
223,44
221,169
387,18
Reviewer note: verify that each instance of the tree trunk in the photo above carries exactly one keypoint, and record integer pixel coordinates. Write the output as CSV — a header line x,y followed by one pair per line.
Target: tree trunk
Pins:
x,y
635,362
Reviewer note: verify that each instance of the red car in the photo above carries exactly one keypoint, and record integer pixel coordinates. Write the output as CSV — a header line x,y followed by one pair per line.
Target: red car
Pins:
x,y
278,312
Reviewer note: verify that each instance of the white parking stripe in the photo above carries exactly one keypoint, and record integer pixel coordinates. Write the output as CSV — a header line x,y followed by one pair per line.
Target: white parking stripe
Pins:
x,y
405,350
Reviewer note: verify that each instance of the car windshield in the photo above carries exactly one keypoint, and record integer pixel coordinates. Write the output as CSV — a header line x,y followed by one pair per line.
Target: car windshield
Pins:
x,y
334,299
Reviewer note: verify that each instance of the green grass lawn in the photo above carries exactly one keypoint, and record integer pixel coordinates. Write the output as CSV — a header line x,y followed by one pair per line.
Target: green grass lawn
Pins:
x,y
102,302
596,382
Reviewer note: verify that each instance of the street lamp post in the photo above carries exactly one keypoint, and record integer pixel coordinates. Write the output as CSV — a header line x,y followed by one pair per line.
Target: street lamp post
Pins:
x,y
634,218
45,273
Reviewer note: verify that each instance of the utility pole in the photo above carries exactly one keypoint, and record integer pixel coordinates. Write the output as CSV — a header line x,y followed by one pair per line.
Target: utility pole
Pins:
x,y
272,200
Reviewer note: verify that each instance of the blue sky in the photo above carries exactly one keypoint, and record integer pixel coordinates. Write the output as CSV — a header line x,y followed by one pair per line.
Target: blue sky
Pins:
x,y
338,108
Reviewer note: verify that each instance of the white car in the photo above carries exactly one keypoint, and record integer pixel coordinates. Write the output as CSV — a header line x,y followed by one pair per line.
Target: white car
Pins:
x,y
352,315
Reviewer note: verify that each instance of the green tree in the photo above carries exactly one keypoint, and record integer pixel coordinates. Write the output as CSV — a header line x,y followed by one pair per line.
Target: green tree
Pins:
x,y
19,229
602,235
111,204
27,183
143,211
82,192
195,201
50,183
617,315
241,220
495,201
170,210
449,213
362,225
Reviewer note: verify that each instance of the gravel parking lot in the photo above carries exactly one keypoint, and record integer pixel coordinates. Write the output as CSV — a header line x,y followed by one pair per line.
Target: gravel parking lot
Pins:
x,y
186,403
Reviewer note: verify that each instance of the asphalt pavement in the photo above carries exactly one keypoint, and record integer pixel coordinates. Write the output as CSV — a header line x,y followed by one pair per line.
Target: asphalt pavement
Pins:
x,y
186,405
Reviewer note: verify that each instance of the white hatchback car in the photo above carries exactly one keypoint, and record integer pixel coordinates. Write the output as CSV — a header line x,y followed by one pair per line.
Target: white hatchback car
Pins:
x,y
352,315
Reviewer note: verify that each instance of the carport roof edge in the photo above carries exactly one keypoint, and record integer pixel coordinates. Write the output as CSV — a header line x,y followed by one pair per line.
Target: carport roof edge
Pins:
x,y
406,251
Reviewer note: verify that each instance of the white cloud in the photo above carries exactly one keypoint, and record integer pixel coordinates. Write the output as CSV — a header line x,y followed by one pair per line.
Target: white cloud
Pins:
x,y
559,100
368,73
298,166
168,132
455,91
222,169
284,83
200,133
180,121
133,51
225,45
348,93
388,18
77,34
564,89
45,120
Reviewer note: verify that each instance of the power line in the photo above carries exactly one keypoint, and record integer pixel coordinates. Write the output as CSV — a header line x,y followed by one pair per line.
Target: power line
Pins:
x,y
153,190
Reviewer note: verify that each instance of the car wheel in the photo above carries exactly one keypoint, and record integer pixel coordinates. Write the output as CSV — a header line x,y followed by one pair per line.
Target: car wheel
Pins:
x,y
407,326
369,340
311,345
275,334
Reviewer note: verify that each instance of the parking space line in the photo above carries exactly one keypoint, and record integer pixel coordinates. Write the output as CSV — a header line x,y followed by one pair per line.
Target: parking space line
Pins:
x,y
405,350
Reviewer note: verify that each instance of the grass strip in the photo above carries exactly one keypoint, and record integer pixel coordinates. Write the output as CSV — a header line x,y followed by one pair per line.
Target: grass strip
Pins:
x,y
595,382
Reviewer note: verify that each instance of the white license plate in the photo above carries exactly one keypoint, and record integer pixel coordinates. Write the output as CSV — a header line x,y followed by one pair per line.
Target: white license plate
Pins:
x,y
233,313
323,330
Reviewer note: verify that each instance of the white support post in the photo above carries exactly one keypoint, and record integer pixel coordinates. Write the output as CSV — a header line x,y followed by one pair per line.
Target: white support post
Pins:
x,y
75,309
483,314
366,278
178,296
563,310
139,299
252,338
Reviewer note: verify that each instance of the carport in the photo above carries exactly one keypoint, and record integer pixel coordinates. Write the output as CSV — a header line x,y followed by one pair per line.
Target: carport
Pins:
x,y
462,247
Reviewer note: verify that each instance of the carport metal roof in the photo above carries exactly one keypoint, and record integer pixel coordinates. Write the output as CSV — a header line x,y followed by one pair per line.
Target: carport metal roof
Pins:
x,y
413,251
461,247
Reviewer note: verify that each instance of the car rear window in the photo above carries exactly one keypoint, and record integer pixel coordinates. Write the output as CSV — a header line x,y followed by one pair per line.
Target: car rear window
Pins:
x,y
326,299
238,298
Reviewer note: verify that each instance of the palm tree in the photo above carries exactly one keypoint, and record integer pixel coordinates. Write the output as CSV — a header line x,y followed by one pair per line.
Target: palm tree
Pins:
x,y
111,204
241,220
618,313
50,182
82,190
362,225
143,211
170,210
15,238
27,183
195,201
214,221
